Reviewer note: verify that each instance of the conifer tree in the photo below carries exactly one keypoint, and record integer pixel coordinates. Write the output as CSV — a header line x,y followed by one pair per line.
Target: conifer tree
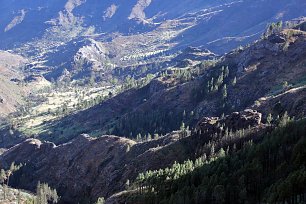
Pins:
x,y
224,91
269,119
100,200
45,195
234,81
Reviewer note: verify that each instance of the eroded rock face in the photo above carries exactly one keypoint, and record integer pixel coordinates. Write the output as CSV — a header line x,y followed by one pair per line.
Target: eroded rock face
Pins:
x,y
86,168
79,169
244,119
235,121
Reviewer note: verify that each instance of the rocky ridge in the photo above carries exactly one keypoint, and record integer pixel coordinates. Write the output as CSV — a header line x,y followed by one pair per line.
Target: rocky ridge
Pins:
x,y
86,168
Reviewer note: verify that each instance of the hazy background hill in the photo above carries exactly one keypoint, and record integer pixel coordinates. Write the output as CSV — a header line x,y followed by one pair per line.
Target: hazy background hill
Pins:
x,y
101,36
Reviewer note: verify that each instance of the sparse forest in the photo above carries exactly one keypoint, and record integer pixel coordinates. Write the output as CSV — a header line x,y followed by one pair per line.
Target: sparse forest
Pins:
x,y
271,171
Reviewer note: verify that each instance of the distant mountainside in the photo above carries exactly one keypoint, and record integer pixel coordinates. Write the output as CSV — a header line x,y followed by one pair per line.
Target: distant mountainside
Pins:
x,y
15,83
11,90
99,36
77,41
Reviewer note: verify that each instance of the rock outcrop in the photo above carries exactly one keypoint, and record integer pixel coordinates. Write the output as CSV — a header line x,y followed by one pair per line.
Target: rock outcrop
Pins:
x,y
235,121
86,168
82,168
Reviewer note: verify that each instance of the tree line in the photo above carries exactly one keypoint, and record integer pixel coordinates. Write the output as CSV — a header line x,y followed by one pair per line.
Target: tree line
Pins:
x,y
272,170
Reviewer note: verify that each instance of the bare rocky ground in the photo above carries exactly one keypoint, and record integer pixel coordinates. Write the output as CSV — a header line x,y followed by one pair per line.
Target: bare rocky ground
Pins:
x,y
14,196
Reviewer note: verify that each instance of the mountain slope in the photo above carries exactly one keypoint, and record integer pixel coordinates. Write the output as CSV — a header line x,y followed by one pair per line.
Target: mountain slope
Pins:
x,y
175,99
16,83
271,171
11,89
264,75
87,168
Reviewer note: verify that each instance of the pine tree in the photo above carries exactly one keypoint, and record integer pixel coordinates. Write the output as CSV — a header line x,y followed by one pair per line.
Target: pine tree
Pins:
x,y
221,153
45,195
127,184
285,85
138,138
149,138
234,81
128,148
224,91
284,120
100,200
3,178
269,119
219,194
226,72
182,128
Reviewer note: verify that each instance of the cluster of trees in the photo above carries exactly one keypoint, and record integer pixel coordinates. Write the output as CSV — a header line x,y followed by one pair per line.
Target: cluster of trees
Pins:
x,y
182,75
45,194
150,122
184,132
210,146
215,82
149,125
161,180
187,74
137,71
146,137
226,140
144,126
272,170
5,177
273,28
130,82
80,105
